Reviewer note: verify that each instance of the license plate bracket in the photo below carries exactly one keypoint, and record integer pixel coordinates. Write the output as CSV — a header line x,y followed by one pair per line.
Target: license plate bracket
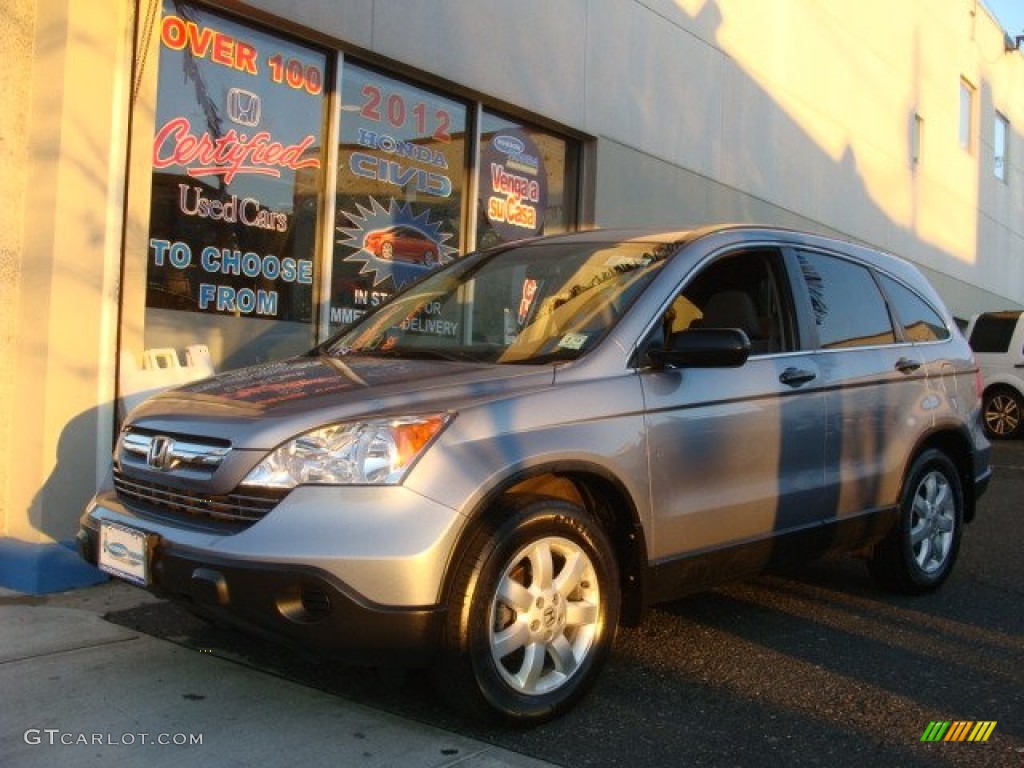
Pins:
x,y
124,552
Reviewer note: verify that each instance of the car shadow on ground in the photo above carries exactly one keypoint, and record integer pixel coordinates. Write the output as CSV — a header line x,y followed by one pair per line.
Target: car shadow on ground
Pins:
x,y
815,667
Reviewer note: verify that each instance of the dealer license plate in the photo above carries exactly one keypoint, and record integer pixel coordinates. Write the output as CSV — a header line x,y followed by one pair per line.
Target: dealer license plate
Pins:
x,y
123,553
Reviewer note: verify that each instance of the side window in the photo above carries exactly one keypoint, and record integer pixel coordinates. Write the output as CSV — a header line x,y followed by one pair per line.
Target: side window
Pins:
x,y
919,319
848,307
993,332
741,290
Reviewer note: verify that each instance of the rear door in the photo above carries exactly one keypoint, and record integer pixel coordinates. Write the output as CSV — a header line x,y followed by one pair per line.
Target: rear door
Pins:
x,y
875,385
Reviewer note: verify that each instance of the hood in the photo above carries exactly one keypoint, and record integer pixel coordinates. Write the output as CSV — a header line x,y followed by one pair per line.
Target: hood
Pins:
x,y
263,405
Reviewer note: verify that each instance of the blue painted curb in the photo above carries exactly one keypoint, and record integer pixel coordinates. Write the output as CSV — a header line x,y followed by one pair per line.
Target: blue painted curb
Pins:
x,y
42,568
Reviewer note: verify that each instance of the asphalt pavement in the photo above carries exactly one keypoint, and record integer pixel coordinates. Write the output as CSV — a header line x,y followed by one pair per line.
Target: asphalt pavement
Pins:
x,y
814,668
79,690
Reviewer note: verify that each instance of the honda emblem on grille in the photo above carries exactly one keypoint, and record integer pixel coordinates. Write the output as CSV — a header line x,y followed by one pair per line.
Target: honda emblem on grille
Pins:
x,y
161,453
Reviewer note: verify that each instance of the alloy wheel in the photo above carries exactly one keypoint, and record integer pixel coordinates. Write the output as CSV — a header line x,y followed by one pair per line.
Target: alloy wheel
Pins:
x,y
1002,415
545,615
932,523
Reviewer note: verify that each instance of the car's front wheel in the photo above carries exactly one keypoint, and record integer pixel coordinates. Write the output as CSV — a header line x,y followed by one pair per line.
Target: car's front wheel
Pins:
x,y
919,553
1002,411
534,609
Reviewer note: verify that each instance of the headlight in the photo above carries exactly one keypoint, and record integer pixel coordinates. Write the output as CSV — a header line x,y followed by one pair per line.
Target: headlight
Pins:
x,y
377,451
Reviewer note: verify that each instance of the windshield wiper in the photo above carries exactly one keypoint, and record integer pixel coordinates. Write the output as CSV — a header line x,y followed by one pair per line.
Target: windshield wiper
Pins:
x,y
413,353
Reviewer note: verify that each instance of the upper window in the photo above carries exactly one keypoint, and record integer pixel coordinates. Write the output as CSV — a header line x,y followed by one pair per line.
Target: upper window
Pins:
x,y
405,157
916,139
993,331
966,114
741,290
400,188
237,170
527,181
848,307
919,320
1000,146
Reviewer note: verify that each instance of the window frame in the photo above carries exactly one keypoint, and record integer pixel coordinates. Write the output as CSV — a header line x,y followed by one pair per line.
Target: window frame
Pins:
x,y
775,259
1000,146
916,139
966,115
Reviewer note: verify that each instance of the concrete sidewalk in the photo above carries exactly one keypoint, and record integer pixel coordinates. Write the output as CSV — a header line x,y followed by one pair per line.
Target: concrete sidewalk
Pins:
x,y
80,691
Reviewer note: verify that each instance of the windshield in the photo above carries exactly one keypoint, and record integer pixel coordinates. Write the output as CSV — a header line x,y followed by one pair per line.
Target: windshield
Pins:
x,y
526,304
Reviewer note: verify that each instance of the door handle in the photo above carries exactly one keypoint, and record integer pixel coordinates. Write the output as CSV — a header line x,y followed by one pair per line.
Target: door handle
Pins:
x,y
907,365
795,377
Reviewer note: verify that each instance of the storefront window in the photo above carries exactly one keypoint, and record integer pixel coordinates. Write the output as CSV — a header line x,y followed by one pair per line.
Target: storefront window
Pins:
x,y
401,173
237,171
235,246
527,182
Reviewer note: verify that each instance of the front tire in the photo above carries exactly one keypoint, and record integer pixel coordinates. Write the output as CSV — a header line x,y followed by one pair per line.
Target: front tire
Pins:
x,y
919,553
534,609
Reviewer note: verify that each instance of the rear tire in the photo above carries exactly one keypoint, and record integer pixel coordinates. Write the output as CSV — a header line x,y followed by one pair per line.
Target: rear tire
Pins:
x,y
919,553
1002,413
533,613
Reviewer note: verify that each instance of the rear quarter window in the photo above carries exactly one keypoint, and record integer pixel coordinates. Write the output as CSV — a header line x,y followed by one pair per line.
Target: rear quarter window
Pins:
x,y
920,321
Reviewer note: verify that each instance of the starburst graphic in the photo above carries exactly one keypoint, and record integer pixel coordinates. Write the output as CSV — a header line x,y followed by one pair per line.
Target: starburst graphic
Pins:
x,y
377,219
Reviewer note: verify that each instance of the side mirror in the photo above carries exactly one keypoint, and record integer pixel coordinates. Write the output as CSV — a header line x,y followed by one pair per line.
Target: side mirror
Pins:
x,y
703,348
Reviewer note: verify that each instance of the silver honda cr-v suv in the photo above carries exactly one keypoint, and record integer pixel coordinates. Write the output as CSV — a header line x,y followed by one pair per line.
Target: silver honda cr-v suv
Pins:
x,y
535,443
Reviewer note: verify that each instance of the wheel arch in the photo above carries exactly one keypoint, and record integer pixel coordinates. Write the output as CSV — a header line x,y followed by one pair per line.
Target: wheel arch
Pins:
x,y
1002,385
1003,382
957,445
600,495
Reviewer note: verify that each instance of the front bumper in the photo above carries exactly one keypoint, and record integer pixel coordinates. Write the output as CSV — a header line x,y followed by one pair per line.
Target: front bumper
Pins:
x,y
293,588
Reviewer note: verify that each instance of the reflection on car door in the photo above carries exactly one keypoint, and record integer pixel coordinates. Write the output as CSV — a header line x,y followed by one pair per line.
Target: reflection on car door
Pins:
x,y
736,453
876,386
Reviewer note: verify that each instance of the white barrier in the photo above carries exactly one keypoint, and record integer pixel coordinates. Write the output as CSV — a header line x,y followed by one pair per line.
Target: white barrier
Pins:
x,y
160,369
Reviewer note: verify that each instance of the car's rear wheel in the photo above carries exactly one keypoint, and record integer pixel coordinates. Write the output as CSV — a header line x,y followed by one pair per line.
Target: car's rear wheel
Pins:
x,y
919,553
534,610
1002,411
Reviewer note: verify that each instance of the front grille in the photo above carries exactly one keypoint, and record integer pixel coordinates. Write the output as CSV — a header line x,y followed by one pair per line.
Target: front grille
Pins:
x,y
246,508
148,449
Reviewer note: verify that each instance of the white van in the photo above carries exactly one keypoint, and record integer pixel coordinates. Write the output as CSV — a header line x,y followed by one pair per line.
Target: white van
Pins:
x,y
997,339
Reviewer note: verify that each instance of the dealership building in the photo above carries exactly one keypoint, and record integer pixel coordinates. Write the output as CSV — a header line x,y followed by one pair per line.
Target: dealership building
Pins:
x,y
198,186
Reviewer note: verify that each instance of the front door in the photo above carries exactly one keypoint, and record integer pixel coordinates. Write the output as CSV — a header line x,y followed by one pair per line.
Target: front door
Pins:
x,y
736,453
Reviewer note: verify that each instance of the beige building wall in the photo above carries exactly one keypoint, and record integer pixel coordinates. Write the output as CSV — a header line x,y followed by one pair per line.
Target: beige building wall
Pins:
x,y
794,111
797,112
64,108
802,113
16,48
